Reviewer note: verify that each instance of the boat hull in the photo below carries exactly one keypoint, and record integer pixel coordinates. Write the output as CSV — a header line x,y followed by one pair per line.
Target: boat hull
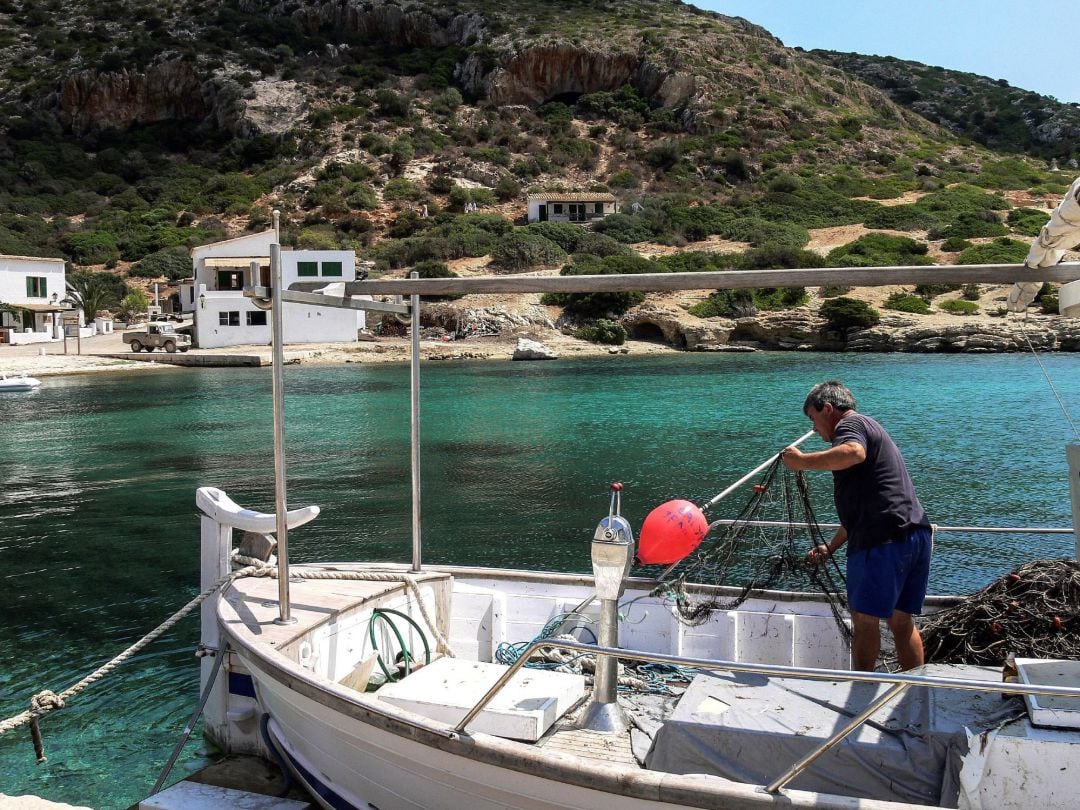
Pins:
x,y
354,750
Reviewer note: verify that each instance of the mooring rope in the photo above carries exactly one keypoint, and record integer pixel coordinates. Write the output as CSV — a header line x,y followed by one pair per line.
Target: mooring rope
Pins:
x,y
1046,374
45,701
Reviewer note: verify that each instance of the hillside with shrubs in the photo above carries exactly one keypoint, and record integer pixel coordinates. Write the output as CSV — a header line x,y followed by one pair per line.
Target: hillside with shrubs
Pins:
x,y
412,133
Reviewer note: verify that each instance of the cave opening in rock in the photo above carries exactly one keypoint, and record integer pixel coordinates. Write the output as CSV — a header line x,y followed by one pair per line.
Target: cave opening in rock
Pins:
x,y
569,99
649,332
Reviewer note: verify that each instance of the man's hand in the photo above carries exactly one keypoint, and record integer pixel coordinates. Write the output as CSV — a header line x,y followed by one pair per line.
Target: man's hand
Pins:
x,y
818,554
792,457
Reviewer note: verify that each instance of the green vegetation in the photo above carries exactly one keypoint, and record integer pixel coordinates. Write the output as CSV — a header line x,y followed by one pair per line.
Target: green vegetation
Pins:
x,y
844,314
522,249
955,244
1000,251
959,307
879,250
904,302
604,331
1027,221
93,292
601,305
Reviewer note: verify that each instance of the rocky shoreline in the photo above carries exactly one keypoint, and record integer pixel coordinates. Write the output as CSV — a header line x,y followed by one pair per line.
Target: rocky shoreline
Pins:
x,y
803,330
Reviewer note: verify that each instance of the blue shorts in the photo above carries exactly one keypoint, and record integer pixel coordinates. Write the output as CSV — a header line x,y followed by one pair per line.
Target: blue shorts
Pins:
x,y
891,576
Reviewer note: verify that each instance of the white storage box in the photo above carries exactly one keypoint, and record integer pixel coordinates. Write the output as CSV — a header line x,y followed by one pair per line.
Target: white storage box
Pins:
x,y
1056,712
448,688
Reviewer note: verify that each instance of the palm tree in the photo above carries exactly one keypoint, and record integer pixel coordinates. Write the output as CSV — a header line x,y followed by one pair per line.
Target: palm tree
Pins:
x,y
91,292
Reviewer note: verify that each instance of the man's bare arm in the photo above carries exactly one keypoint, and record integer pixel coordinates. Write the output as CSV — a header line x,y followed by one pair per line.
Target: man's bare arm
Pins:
x,y
840,457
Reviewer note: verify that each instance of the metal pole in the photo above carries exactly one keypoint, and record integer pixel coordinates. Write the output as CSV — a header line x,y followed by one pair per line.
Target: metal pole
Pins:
x,y
414,437
755,471
277,375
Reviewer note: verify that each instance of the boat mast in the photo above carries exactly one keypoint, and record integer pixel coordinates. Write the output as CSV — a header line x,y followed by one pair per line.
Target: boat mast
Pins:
x,y
414,429
277,375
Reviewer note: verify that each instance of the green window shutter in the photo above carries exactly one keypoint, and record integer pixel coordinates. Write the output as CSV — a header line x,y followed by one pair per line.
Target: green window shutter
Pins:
x,y
331,268
307,268
29,287
45,287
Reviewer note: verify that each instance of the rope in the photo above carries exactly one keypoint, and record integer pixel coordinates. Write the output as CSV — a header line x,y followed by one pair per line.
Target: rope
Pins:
x,y
46,700
1046,374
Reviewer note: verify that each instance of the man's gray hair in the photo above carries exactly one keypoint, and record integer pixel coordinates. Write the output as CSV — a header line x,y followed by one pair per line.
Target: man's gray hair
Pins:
x,y
830,391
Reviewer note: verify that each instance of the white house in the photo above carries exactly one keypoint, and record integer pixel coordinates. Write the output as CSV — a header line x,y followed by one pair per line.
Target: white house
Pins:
x,y
583,206
34,287
224,317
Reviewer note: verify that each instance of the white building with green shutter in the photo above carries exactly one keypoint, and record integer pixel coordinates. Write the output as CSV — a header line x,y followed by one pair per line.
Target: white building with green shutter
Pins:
x,y
31,289
224,317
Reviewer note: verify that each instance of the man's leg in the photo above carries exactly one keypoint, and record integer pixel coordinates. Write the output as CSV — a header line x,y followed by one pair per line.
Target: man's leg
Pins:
x,y
865,641
909,648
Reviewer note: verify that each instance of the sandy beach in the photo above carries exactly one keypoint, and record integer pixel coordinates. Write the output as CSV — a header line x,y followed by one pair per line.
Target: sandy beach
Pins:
x,y
49,359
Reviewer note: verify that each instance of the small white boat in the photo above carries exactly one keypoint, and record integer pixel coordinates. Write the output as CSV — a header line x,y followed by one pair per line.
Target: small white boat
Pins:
x,y
20,382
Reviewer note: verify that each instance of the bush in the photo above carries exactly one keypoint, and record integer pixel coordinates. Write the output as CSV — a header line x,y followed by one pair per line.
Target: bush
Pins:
x,y
170,263
971,225
726,304
401,189
971,292
848,313
135,302
564,234
507,188
91,247
758,232
834,290
959,307
1048,300
928,291
879,250
955,244
603,304
905,302
627,228
604,331
520,250
1000,251
1027,221
434,269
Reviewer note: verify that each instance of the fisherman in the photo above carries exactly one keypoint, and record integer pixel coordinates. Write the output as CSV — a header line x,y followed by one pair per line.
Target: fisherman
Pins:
x,y
1058,235
881,520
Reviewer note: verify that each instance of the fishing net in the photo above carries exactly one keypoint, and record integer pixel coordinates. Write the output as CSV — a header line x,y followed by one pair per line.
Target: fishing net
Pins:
x,y
1033,612
765,547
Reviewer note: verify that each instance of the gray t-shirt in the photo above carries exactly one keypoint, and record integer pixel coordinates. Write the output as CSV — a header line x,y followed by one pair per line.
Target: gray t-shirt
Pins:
x,y
875,499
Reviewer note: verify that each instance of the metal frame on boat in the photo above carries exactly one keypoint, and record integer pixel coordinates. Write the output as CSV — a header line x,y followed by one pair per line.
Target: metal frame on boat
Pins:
x,y
305,666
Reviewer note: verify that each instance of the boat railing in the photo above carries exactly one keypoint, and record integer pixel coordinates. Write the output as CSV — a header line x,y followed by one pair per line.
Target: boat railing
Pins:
x,y
899,682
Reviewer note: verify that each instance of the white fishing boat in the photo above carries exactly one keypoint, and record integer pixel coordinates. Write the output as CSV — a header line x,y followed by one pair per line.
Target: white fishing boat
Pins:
x,y
19,382
301,666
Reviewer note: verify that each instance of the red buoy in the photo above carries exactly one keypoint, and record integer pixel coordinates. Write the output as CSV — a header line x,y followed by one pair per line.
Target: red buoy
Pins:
x,y
670,532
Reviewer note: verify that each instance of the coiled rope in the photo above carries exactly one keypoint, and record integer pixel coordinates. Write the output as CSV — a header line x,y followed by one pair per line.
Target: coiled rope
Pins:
x,y
45,701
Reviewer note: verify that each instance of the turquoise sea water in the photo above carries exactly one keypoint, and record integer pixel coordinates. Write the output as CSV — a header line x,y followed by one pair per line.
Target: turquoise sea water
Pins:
x,y
99,533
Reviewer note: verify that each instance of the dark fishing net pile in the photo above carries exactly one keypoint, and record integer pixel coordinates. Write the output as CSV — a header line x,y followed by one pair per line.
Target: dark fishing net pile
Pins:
x,y
754,558
1033,612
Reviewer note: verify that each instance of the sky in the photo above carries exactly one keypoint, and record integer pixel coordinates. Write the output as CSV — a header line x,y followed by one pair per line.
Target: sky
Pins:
x,y
1031,45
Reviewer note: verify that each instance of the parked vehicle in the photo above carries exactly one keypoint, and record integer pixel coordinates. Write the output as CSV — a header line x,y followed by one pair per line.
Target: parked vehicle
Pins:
x,y
158,336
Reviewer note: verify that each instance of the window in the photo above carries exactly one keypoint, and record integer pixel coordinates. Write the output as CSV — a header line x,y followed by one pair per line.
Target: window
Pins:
x,y
557,208
230,279
229,318
37,287
307,268
257,318
599,208
331,269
